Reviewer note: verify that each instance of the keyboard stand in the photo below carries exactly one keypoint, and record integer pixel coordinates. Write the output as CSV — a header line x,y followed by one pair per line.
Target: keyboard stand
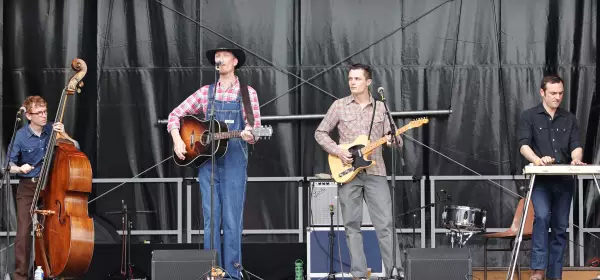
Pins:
x,y
519,237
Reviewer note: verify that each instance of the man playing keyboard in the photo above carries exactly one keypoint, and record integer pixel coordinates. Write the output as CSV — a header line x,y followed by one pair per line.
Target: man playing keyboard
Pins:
x,y
548,134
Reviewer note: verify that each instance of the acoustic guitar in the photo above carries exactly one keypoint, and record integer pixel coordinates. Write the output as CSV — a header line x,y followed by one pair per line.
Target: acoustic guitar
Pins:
x,y
361,149
197,138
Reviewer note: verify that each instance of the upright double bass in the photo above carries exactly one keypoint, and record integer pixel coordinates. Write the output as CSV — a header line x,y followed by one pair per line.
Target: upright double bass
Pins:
x,y
64,233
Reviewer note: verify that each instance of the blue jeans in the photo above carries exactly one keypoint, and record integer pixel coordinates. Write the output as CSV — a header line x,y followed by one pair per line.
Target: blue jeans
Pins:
x,y
230,192
551,199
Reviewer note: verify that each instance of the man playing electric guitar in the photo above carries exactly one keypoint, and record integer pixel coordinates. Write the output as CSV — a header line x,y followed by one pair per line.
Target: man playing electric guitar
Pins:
x,y
237,106
352,117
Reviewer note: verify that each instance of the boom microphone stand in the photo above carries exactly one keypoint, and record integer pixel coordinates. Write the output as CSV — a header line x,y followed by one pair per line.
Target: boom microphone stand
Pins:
x,y
448,198
6,184
127,271
394,273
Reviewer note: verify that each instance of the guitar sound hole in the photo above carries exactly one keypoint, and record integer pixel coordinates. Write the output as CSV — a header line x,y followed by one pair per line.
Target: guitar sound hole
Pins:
x,y
205,139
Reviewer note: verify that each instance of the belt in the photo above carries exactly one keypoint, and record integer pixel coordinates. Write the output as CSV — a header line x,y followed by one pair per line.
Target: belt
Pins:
x,y
32,179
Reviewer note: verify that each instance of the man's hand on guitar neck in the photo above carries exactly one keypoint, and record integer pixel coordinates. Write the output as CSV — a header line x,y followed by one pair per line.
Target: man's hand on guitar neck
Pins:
x,y
345,155
247,135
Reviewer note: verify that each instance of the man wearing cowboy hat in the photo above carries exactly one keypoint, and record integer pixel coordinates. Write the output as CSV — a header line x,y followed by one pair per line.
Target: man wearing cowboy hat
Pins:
x,y
236,105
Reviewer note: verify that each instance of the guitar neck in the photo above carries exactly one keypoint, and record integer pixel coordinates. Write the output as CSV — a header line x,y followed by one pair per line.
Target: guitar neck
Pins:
x,y
228,134
374,145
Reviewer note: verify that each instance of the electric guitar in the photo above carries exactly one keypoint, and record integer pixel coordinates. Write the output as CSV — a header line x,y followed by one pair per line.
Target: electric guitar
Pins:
x,y
197,138
361,149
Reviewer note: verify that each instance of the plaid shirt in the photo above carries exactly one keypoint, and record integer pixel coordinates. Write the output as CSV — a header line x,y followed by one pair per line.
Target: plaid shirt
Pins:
x,y
199,101
351,121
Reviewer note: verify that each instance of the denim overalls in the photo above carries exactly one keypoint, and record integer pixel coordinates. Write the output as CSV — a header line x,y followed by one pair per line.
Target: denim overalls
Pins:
x,y
230,187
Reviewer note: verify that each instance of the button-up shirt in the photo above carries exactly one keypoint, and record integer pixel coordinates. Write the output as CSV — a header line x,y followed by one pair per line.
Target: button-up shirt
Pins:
x,y
352,120
547,136
198,102
30,148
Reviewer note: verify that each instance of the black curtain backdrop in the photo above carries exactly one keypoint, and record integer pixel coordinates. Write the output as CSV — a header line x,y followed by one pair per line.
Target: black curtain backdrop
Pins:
x,y
481,59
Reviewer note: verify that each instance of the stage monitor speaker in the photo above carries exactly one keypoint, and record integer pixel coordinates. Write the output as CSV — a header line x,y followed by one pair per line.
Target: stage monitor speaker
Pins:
x,y
438,263
182,264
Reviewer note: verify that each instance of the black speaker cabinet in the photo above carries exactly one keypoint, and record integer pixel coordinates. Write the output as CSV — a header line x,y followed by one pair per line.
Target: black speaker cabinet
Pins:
x,y
181,264
438,263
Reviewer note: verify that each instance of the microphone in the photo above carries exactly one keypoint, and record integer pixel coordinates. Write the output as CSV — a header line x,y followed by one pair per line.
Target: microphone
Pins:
x,y
331,208
380,91
20,113
218,64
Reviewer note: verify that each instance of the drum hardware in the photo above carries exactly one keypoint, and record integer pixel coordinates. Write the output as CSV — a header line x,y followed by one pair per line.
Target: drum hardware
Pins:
x,y
459,235
463,221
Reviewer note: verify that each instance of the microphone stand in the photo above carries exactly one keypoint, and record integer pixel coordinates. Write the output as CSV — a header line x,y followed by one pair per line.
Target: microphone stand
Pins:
x,y
211,117
331,274
245,272
394,273
128,270
6,184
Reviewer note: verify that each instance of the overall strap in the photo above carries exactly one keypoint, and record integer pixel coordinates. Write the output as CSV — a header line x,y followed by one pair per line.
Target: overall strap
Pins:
x,y
211,93
246,103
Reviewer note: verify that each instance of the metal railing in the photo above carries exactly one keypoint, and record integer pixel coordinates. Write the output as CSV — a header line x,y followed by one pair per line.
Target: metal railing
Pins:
x,y
300,230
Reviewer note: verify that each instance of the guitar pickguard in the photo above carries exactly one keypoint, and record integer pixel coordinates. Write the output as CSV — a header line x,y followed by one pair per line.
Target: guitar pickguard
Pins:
x,y
358,158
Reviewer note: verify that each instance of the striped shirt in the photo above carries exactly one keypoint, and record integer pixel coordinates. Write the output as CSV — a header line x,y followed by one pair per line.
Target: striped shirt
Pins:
x,y
351,121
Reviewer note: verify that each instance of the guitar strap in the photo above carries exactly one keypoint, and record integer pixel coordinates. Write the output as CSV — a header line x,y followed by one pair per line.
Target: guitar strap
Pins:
x,y
372,118
247,104
245,101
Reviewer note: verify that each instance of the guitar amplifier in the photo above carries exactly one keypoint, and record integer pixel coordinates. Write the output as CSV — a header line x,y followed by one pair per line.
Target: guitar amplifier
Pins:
x,y
323,193
318,258
182,264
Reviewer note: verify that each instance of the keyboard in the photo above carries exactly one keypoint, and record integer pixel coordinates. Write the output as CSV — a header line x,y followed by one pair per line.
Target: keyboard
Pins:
x,y
562,169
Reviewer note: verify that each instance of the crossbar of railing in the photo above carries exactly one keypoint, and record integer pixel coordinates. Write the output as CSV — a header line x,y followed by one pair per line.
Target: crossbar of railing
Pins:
x,y
406,114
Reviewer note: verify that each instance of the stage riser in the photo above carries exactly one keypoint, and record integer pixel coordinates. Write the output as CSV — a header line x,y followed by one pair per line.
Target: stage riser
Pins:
x,y
525,274
274,261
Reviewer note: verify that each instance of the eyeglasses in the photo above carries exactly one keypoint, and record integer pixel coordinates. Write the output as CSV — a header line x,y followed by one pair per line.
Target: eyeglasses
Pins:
x,y
40,113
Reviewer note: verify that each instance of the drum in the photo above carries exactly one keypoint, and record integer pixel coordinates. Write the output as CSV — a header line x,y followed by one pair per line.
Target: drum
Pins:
x,y
464,218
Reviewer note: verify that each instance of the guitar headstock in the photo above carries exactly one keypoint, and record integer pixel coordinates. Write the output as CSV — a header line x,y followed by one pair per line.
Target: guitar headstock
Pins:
x,y
262,132
418,122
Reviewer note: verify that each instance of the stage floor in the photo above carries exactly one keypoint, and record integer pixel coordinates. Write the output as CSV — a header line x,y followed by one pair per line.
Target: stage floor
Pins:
x,y
270,261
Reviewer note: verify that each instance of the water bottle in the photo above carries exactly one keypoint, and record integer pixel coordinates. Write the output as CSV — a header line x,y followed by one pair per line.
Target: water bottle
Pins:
x,y
299,270
39,273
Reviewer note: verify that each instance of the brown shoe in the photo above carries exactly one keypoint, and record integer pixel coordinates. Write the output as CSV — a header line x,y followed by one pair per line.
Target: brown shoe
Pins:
x,y
537,275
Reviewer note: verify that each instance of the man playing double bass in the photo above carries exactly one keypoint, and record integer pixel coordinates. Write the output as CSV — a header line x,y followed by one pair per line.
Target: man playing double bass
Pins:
x,y
26,159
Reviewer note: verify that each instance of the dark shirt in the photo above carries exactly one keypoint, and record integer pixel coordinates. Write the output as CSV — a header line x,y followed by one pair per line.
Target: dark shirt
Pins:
x,y
30,148
554,137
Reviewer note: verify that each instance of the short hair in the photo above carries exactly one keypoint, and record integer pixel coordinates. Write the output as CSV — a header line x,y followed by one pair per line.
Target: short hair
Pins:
x,y
364,67
550,79
34,100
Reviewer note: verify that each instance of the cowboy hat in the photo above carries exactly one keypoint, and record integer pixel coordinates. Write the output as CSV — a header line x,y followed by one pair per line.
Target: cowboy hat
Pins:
x,y
239,54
